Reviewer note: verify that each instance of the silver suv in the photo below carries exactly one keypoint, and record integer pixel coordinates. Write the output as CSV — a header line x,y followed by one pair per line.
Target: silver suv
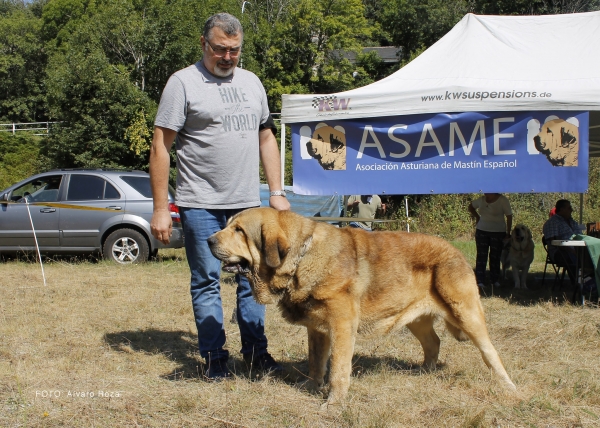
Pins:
x,y
83,211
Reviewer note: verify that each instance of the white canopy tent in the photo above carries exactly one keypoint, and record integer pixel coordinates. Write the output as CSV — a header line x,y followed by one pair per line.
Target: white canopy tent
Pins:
x,y
485,63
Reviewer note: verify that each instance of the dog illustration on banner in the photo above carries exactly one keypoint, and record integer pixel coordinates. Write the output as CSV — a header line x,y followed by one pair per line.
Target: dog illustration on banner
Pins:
x,y
326,144
558,139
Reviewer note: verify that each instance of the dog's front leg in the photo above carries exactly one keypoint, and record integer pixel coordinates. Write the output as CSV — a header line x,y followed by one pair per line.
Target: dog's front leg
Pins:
x,y
524,276
515,272
343,336
319,346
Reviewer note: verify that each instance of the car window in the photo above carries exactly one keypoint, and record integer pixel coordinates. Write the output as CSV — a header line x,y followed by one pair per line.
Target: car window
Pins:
x,y
43,189
90,187
110,192
142,185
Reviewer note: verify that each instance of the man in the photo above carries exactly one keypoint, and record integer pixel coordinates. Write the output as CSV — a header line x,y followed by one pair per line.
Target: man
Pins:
x,y
561,226
364,206
220,117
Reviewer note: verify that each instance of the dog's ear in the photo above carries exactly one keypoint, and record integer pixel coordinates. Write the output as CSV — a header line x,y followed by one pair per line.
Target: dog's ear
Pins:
x,y
275,245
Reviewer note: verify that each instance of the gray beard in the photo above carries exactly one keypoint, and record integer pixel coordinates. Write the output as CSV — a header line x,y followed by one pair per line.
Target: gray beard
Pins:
x,y
222,72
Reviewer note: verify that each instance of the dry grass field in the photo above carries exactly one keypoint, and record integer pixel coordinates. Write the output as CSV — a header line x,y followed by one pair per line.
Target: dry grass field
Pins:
x,y
103,346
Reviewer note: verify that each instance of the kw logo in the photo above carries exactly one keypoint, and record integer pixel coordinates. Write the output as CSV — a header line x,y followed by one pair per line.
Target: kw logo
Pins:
x,y
330,102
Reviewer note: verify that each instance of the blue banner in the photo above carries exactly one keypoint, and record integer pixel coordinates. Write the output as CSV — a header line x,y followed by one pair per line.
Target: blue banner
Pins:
x,y
503,152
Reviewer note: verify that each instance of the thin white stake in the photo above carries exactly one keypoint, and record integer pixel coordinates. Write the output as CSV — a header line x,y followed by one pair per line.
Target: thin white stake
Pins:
x,y
36,241
407,217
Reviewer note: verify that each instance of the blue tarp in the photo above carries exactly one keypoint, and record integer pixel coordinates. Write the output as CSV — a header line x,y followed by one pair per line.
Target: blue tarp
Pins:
x,y
307,205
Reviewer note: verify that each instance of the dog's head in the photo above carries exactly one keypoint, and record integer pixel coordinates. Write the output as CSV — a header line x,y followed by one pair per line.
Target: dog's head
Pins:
x,y
520,236
558,140
328,147
258,243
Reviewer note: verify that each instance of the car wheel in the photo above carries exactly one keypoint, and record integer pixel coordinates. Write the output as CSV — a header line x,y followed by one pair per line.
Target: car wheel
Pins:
x,y
126,246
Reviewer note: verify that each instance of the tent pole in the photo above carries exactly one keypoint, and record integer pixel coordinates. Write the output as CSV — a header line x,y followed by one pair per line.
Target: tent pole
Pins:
x,y
407,218
282,154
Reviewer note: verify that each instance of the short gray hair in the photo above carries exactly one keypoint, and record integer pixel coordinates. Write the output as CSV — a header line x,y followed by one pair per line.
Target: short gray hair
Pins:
x,y
226,22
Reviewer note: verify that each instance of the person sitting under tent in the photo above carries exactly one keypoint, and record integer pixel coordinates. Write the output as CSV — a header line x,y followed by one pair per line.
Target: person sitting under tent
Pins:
x,y
561,226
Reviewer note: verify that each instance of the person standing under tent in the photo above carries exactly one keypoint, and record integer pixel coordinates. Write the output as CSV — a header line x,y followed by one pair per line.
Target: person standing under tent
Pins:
x,y
491,231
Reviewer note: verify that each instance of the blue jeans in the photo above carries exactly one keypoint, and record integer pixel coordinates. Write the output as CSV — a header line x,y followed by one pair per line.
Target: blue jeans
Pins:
x,y
198,225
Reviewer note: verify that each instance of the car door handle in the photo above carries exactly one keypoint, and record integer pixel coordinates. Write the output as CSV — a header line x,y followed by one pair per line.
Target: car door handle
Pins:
x,y
114,207
48,210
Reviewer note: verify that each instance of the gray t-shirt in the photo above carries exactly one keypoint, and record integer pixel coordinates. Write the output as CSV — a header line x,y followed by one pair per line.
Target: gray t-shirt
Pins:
x,y
217,122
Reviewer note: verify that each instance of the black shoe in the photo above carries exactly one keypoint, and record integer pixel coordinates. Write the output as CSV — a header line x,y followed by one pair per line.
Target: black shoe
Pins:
x,y
217,370
264,363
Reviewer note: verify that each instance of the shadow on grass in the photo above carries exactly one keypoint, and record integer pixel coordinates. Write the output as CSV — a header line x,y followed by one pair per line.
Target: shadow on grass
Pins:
x,y
32,257
550,290
178,346
364,365
181,347
93,258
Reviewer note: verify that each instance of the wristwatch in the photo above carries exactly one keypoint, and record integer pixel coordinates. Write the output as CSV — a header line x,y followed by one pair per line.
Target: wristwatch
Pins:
x,y
277,193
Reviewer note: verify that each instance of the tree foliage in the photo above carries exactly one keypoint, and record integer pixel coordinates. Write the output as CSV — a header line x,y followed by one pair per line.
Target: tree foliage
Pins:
x,y
19,158
414,24
293,45
22,62
106,72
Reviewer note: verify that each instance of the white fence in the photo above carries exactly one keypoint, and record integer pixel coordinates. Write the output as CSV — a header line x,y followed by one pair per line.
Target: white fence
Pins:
x,y
37,128
43,128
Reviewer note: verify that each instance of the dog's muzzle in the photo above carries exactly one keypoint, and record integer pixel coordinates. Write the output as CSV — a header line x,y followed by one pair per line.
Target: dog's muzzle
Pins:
x,y
242,267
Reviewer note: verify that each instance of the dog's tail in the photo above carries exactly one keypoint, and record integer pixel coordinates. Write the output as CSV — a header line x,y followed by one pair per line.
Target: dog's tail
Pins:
x,y
457,332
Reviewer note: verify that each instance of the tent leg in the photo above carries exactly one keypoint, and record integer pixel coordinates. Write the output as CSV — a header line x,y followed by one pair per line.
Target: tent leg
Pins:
x,y
407,219
282,154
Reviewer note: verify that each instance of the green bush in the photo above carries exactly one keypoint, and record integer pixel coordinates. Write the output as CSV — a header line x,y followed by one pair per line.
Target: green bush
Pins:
x,y
19,158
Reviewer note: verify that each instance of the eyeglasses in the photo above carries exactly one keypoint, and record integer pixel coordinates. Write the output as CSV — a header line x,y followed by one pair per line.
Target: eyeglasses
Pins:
x,y
221,52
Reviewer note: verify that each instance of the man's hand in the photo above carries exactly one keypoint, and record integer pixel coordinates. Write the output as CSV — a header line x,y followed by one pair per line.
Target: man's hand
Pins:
x,y
162,225
280,203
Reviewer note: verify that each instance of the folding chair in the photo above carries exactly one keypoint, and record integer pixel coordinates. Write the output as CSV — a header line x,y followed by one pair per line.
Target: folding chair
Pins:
x,y
557,265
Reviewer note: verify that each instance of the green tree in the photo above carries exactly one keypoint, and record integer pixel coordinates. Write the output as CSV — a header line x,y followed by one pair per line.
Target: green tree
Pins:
x,y
61,18
107,70
414,24
95,102
19,158
294,45
22,63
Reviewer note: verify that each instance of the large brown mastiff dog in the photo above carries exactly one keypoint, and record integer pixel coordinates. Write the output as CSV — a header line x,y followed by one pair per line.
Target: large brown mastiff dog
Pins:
x,y
338,282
